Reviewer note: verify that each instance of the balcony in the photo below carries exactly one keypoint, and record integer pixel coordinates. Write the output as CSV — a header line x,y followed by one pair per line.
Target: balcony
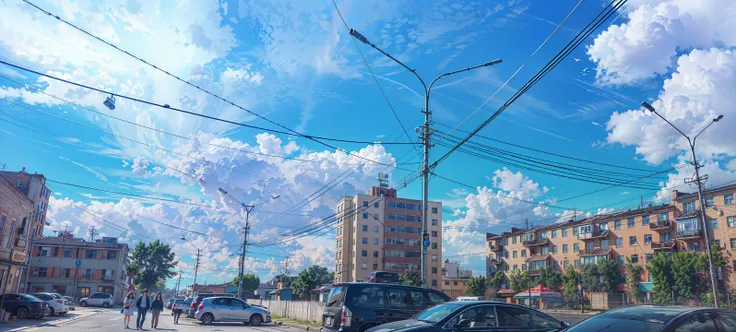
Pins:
x,y
689,234
496,262
496,247
598,234
537,242
663,225
663,245
533,272
595,252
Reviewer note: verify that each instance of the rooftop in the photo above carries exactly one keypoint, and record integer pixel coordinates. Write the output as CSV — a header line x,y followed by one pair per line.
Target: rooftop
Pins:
x,y
681,196
76,242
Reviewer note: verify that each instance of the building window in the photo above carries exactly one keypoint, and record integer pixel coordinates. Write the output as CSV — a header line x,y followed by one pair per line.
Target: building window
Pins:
x,y
513,240
717,243
375,267
375,205
83,291
59,289
621,259
434,233
365,228
543,235
604,244
447,283
619,242
43,251
728,199
714,224
375,253
635,259
434,222
631,222
688,206
554,249
365,215
649,257
375,240
647,238
645,220
731,221
575,247
564,232
365,203
363,266
41,272
564,248
365,240
434,258
434,270
576,263
364,253
66,273
516,267
617,224
554,233
710,202
545,250
434,245
514,254
733,243
375,217
523,252
664,216
434,210
375,229
632,241
70,253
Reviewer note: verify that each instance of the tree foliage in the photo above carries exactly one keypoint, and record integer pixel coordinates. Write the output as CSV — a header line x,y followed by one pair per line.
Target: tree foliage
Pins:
x,y
519,281
250,281
477,286
589,277
411,278
497,280
633,278
660,267
609,276
684,274
550,278
150,264
570,284
309,279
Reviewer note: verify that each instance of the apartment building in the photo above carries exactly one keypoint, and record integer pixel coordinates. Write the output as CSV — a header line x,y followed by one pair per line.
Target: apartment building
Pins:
x,y
455,279
636,234
16,209
379,231
34,187
74,267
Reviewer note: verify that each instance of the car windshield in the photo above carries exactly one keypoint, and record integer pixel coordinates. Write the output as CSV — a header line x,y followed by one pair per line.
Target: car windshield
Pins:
x,y
392,277
437,313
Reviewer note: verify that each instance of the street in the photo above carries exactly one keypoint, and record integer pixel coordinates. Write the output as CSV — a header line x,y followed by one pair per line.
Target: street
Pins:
x,y
111,320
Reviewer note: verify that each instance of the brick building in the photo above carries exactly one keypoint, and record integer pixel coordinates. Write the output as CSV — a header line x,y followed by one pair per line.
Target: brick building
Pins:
x,y
75,267
16,211
382,232
636,234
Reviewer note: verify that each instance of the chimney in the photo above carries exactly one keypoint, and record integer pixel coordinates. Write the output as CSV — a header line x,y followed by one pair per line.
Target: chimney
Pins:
x,y
23,170
674,194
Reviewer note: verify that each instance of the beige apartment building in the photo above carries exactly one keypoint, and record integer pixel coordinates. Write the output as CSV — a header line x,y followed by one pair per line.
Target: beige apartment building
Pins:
x,y
636,234
379,231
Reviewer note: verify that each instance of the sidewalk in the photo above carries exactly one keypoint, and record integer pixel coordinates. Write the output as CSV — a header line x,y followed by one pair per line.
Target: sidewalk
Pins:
x,y
26,324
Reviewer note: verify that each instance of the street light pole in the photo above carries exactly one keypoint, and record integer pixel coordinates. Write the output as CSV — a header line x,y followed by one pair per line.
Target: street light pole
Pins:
x,y
426,134
701,198
196,263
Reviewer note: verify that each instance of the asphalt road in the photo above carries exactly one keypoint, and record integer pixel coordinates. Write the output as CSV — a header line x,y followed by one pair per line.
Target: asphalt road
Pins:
x,y
110,320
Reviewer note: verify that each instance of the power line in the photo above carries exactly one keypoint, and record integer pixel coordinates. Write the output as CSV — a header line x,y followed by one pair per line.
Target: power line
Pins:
x,y
572,45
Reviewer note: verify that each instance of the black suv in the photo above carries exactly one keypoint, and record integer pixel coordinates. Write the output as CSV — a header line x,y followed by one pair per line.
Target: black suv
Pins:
x,y
358,306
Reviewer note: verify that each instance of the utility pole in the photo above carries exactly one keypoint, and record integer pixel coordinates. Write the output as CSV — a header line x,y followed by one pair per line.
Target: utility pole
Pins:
x,y
92,233
196,269
176,292
699,182
426,134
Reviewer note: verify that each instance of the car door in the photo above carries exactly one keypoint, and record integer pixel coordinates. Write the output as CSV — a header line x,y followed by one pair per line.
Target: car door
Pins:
x,y
399,305
239,310
94,300
727,320
220,308
516,318
482,319
701,322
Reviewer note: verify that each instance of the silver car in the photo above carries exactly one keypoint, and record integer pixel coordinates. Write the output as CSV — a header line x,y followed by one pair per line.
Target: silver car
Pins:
x,y
229,309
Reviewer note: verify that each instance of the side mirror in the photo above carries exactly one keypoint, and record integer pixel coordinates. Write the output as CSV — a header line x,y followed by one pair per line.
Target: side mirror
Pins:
x,y
463,323
565,324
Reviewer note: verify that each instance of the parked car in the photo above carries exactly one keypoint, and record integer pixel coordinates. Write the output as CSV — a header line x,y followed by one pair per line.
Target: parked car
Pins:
x,y
476,316
170,302
660,318
356,306
70,303
380,276
230,309
24,306
469,298
198,299
104,300
187,305
178,303
57,305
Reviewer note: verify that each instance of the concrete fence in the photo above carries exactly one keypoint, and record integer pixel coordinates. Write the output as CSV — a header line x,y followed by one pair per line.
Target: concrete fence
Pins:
x,y
300,310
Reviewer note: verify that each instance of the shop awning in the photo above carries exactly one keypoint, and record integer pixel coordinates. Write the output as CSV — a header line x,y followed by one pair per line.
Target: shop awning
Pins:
x,y
646,286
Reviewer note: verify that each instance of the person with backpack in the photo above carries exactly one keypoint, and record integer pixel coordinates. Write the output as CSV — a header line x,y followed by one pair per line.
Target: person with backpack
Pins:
x,y
143,304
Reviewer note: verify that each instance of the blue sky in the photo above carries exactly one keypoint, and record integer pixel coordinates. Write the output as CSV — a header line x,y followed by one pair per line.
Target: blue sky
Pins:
x,y
294,63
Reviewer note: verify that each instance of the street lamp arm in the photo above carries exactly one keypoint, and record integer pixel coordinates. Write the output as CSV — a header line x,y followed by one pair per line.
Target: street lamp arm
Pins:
x,y
706,127
670,123
487,64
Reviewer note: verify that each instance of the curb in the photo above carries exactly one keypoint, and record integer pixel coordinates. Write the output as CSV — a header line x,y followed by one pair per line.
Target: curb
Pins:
x,y
55,323
298,326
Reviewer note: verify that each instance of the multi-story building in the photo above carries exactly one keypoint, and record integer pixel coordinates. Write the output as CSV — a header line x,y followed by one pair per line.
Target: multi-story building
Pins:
x,y
34,187
16,209
454,279
74,267
636,234
379,231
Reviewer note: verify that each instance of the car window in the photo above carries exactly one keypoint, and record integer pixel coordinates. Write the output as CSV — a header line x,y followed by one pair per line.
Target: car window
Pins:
x,y
236,303
367,297
520,317
417,298
728,320
11,297
398,298
480,317
43,297
701,322
435,299
336,295
437,313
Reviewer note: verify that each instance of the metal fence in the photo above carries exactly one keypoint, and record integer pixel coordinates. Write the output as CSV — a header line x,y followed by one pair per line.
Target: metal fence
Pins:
x,y
299,310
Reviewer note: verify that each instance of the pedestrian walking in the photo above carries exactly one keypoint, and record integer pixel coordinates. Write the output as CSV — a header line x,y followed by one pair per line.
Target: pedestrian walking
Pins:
x,y
156,307
128,309
177,308
143,304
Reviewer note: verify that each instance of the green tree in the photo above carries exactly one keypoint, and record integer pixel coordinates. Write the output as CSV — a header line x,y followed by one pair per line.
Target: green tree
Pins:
x,y
494,284
309,279
411,278
570,284
250,281
477,286
519,281
589,277
609,276
660,267
719,262
633,277
550,278
685,274
151,264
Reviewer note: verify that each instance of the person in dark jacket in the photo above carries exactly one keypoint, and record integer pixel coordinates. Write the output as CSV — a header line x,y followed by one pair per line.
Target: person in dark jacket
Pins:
x,y
143,304
156,307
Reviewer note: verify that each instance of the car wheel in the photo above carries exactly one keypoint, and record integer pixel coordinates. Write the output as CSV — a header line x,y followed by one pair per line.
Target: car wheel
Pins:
x,y
22,313
105,305
255,320
208,319
51,312
83,303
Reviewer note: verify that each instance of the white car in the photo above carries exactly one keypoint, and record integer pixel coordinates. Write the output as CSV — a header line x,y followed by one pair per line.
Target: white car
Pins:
x,y
104,300
57,306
